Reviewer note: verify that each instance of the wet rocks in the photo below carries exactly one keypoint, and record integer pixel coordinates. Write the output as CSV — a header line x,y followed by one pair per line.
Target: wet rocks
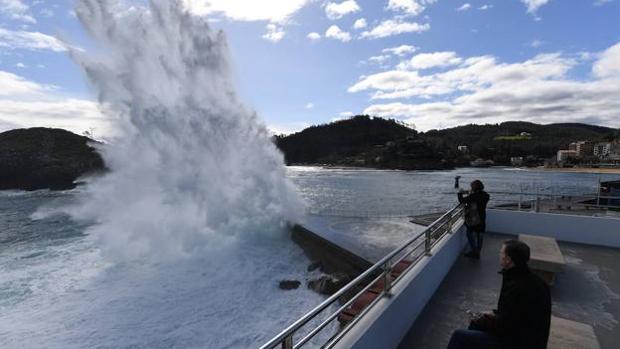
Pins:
x,y
329,284
289,284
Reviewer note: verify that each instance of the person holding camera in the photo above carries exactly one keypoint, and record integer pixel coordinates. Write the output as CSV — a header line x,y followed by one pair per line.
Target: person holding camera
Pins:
x,y
475,216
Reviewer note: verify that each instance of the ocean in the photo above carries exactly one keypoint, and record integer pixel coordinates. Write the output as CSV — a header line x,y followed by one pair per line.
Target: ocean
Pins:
x,y
58,290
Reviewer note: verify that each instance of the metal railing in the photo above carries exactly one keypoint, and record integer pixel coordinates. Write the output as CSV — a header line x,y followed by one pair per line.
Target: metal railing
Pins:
x,y
534,201
413,251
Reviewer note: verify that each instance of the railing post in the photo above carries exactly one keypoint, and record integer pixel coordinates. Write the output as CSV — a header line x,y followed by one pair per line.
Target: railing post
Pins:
x,y
427,242
287,343
387,280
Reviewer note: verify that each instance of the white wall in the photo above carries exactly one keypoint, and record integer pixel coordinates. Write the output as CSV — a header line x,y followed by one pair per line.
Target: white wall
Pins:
x,y
385,325
600,231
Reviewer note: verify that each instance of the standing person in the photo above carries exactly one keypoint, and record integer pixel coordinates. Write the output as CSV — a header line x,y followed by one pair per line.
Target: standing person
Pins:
x,y
475,216
523,316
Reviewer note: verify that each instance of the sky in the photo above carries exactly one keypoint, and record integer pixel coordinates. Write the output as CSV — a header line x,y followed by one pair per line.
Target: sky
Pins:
x,y
429,63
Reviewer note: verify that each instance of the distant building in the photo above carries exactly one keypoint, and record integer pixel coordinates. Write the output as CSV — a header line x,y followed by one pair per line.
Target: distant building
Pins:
x,y
525,134
602,150
516,161
463,149
584,149
572,146
564,155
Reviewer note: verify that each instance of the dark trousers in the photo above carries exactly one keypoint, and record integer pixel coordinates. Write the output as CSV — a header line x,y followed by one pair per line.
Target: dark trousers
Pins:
x,y
475,240
470,339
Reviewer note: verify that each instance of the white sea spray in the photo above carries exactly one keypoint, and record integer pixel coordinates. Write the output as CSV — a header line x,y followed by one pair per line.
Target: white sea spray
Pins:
x,y
192,167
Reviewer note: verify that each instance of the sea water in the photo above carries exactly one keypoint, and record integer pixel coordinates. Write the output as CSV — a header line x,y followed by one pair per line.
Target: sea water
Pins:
x,y
57,290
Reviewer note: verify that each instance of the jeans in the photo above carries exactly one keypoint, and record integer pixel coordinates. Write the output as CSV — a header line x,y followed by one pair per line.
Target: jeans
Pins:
x,y
470,339
475,240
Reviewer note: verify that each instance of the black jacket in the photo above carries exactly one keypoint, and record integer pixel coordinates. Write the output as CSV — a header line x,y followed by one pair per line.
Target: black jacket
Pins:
x,y
523,313
480,198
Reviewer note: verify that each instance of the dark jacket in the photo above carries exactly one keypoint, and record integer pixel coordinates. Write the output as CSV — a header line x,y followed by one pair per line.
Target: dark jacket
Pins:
x,y
480,199
523,313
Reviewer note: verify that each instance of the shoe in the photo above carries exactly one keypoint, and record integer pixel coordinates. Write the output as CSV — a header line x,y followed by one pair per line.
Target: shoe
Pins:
x,y
472,255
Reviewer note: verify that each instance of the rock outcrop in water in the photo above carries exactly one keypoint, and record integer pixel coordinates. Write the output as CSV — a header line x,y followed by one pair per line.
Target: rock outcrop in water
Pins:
x,y
45,158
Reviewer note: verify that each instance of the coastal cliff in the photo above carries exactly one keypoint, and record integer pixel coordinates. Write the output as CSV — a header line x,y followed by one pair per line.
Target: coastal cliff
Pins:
x,y
45,158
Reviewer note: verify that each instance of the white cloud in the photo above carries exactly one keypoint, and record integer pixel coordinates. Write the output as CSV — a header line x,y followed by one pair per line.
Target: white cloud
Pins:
x,y
534,5
464,7
379,59
400,51
346,114
277,11
16,10
410,7
431,60
334,32
608,64
310,105
314,36
20,65
274,33
360,24
338,10
483,90
485,7
25,103
536,43
394,27
29,40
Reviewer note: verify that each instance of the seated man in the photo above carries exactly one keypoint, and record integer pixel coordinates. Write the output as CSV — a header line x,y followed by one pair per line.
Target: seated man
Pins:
x,y
523,314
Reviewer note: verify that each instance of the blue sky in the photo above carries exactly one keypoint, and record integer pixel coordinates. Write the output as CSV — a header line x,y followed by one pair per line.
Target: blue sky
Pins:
x,y
431,63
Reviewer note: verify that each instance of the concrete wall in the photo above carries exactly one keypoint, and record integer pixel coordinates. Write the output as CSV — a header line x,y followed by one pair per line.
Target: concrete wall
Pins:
x,y
600,231
388,321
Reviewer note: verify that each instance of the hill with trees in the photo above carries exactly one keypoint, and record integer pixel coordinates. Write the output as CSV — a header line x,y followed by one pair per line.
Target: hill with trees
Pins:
x,y
361,141
384,143
45,158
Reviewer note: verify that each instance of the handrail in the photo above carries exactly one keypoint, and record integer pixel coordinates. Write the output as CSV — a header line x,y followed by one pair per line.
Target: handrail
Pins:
x,y
285,339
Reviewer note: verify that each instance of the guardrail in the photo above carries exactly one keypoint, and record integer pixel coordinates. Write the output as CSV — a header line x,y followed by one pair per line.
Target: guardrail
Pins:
x,y
415,249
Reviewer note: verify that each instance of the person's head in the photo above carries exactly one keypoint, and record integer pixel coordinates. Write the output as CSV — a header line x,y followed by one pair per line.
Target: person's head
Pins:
x,y
514,253
476,186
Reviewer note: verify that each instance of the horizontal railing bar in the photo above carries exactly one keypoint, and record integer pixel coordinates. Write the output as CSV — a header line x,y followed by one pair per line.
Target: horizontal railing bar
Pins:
x,y
337,312
318,309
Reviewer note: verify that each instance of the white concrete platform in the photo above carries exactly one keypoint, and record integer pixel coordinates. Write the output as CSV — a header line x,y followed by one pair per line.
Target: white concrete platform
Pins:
x,y
567,334
546,259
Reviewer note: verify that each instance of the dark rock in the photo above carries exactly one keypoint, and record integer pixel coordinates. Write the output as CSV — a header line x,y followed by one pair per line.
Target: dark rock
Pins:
x,y
314,266
289,284
45,158
329,284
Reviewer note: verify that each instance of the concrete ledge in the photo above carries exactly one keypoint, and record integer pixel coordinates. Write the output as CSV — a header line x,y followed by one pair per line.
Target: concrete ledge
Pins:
x,y
599,231
566,334
385,324
545,253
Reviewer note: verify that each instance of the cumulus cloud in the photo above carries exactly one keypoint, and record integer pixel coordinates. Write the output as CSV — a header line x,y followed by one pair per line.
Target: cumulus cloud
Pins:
x,y
409,7
431,60
314,36
483,90
24,103
464,7
360,24
277,11
400,51
16,10
29,40
534,5
608,64
338,10
334,32
392,27
274,33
